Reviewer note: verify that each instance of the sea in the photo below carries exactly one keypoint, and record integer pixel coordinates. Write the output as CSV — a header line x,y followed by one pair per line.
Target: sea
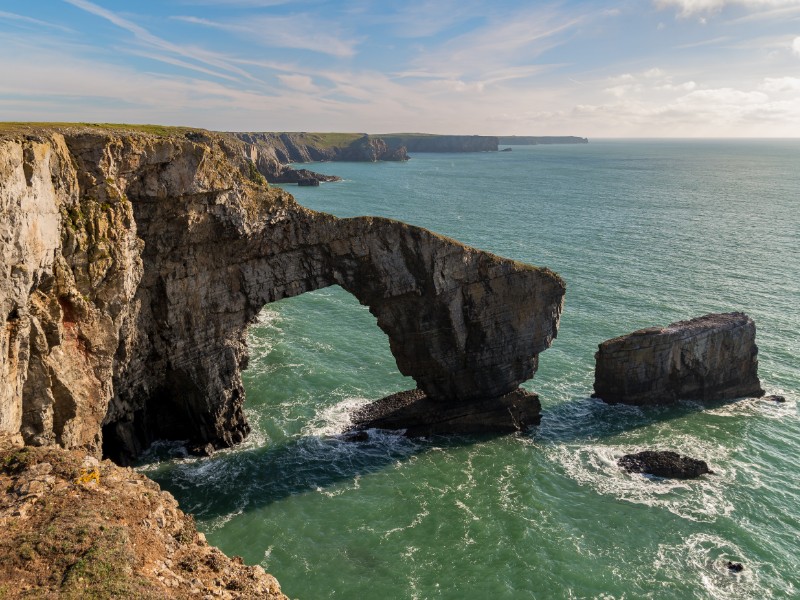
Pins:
x,y
645,233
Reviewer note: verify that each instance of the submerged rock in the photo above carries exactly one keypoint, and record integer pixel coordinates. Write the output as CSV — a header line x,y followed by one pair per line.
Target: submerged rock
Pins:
x,y
735,567
775,398
664,464
713,357
419,415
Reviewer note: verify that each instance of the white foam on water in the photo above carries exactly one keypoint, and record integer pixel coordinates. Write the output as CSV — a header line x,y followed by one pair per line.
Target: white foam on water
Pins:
x,y
595,465
705,557
418,518
334,419
759,407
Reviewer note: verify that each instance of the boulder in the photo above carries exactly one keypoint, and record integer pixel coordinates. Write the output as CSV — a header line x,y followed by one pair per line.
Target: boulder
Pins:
x,y
713,357
664,464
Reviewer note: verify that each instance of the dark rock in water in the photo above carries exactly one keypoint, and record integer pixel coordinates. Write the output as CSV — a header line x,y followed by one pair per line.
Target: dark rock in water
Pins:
x,y
202,449
420,415
713,357
506,150
356,436
664,464
775,398
735,567
308,182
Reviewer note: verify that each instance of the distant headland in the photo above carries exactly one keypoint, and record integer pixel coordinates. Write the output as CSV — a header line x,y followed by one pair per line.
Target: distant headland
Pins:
x,y
272,151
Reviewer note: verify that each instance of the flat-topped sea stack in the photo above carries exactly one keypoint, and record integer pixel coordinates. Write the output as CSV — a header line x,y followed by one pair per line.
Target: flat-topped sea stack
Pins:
x,y
133,261
713,357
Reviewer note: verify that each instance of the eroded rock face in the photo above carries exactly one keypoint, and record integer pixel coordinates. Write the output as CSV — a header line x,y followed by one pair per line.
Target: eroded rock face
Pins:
x,y
127,298
713,357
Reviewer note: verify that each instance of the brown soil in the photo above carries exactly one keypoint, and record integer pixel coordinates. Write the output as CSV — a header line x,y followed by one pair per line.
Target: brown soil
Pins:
x,y
73,527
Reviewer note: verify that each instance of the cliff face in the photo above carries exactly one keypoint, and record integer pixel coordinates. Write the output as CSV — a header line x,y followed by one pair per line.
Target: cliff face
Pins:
x,y
534,140
312,147
442,143
133,264
713,357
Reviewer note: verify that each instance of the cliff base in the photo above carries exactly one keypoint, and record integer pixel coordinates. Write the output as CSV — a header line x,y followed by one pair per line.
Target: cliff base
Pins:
x,y
419,415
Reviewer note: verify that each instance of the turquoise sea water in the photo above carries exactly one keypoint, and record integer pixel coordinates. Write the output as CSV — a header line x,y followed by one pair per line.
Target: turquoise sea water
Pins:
x,y
644,233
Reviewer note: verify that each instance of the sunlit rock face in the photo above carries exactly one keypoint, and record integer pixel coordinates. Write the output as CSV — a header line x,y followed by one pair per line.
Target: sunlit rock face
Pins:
x,y
132,265
713,357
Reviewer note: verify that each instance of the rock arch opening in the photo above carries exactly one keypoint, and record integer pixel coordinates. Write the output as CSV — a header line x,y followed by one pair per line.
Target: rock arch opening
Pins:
x,y
311,358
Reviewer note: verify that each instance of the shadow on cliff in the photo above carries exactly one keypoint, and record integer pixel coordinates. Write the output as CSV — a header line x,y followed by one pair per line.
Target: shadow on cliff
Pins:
x,y
238,480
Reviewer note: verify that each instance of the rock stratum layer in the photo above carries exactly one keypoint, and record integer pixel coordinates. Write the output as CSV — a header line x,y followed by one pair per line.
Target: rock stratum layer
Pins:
x,y
132,264
713,357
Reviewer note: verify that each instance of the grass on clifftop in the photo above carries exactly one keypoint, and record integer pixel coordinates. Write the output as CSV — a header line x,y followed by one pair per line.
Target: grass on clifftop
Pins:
x,y
159,130
328,140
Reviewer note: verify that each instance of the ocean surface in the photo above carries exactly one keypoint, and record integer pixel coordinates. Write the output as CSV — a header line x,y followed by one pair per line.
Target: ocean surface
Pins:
x,y
644,233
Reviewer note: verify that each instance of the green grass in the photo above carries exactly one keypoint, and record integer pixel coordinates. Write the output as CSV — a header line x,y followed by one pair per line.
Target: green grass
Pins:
x,y
159,130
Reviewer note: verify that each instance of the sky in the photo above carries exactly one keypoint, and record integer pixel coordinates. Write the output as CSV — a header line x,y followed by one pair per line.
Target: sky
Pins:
x,y
624,68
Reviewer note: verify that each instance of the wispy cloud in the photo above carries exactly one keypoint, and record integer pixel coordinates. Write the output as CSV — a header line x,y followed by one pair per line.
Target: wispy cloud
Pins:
x,y
712,42
299,31
691,7
8,16
153,41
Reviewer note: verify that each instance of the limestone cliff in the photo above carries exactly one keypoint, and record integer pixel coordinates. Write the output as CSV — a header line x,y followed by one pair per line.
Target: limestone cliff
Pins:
x,y
132,265
713,357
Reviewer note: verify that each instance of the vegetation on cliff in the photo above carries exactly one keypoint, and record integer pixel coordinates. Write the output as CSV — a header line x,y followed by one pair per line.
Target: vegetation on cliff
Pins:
x,y
76,528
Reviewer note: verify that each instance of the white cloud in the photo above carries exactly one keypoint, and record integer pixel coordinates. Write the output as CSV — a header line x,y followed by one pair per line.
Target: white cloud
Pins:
x,y
780,84
654,73
301,83
298,31
796,46
691,7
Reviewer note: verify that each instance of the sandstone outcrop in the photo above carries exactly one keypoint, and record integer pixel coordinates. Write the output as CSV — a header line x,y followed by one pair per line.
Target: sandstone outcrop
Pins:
x,y
713,357
132,265
74,527
664,463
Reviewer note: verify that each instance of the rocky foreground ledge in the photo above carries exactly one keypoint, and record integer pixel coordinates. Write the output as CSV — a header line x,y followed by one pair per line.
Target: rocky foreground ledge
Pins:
x,y
74,527
713,357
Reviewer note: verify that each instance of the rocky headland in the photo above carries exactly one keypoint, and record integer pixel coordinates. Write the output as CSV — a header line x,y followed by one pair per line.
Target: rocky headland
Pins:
x,y
133,264
536,140
133,260
713,357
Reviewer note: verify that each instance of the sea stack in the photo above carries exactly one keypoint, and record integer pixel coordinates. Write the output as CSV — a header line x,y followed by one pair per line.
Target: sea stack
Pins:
x,y
713,357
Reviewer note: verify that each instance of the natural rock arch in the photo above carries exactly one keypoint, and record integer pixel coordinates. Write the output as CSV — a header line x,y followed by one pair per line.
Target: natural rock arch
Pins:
x,y
196,250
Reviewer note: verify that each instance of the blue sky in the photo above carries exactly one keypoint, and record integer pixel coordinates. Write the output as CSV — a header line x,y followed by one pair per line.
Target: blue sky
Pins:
x,y
638,68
